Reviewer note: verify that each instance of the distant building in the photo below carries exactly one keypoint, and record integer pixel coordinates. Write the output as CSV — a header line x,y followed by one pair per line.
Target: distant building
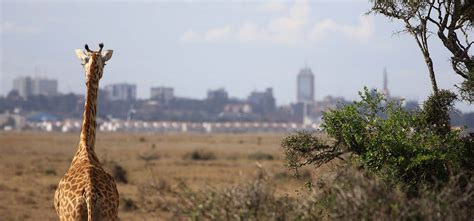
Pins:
x,y
305,86
238,108
162,93
219,94
411,105
24,86
44,86
28,86
385,91
262,102
123,92
11,121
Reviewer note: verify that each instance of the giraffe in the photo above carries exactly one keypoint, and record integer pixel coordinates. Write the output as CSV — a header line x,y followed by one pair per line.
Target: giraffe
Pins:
x,y
87,192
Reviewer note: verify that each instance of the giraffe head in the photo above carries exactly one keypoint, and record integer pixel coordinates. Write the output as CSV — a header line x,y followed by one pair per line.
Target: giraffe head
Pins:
x,y
93,61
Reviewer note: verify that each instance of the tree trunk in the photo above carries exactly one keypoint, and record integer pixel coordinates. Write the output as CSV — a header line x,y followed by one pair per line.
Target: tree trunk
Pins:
x,y
429,63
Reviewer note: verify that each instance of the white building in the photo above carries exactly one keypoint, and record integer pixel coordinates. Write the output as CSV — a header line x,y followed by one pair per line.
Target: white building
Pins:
x,y
28,86
123,91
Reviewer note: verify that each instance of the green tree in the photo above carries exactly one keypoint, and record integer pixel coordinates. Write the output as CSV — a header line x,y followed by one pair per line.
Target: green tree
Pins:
x,y
408,147
451,20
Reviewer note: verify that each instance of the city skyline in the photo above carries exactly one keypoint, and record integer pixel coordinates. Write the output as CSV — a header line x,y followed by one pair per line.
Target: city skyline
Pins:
x,y
253,46
170,91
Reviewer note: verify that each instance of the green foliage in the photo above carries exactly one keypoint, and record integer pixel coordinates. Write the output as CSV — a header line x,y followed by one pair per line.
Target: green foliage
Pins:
x,y
466,90
304,148
402,147
436,111
467,162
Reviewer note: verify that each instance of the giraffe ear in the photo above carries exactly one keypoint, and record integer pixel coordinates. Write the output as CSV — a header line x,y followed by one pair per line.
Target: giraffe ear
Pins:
x,y
80,54
107,55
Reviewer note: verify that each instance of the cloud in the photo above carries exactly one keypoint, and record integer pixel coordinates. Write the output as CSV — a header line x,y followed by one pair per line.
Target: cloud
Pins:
x,y
189,36
272,6
217,34
291,28
250,32
11,27
362,31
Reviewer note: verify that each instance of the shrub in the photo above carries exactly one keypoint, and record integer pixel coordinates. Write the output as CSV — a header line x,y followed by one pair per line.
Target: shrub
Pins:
x,y
50,171
127,204
304,148
254,199
468,153
356,195
119,173
352,195
200,155
260,156
400,146
436,111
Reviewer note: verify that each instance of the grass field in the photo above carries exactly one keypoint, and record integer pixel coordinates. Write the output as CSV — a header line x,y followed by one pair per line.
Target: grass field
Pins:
x,y
32,163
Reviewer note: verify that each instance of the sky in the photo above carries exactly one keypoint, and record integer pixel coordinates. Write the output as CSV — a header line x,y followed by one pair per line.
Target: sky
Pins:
x,y
241,46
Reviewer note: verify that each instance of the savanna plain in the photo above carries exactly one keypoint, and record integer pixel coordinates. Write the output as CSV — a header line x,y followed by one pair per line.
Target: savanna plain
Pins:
x,y
147,167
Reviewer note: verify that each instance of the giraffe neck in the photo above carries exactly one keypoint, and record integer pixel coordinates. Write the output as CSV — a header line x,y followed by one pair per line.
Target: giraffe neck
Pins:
x,y
87,138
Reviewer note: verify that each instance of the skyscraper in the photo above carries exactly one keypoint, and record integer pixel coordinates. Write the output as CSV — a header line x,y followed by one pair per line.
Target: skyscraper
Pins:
x,y
45,86
385,83
124,92
28,86
24,86
305,86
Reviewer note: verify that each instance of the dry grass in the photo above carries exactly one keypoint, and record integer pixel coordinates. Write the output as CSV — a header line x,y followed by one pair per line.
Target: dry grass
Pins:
x,y
31,165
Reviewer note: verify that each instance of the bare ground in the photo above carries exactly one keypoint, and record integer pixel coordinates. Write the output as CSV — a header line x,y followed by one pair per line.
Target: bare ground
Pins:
x,y
32,163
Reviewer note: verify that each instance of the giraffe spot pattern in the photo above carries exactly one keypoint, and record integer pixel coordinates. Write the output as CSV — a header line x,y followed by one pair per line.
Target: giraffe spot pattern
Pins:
x,y
86,191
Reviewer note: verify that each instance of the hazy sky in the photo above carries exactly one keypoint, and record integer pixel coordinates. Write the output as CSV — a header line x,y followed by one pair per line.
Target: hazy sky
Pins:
x,y
242,46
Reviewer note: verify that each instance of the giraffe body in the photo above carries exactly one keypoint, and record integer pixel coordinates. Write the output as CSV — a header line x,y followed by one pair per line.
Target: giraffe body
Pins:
x,y
84,194
87,192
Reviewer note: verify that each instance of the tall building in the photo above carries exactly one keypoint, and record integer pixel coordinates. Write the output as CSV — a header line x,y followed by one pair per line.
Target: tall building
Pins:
x,y
162,93
24,86
305,86
262,102
28,86
385,83
44,86
123,92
